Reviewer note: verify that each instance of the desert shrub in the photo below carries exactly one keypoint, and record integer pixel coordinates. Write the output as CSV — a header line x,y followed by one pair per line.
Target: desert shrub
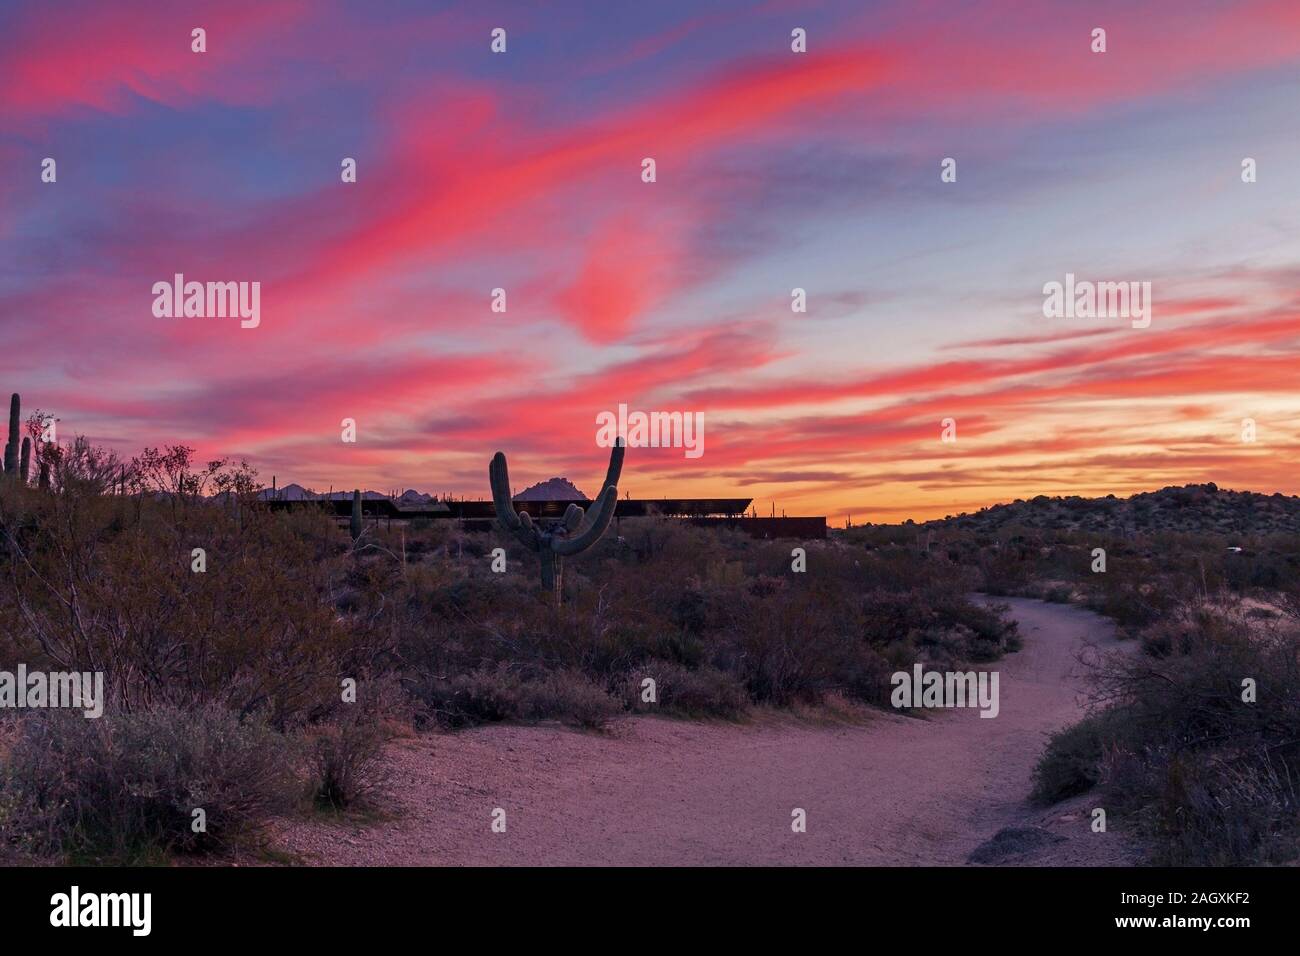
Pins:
x,y
947,625
890,616
569,696
1131,601
689,613
1220,810
1071,764
346,768
472,642
1004,572
488,696
105,584
687,692
991,632
466,700
790,649
125,786
1209,776
1058,594
1190,628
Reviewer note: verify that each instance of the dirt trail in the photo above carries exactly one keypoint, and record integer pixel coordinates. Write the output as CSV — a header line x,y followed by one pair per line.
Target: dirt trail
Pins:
x,y
894,791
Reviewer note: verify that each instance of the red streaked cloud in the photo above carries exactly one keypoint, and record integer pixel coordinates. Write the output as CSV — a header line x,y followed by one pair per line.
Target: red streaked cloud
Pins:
x,y
60,57
625,271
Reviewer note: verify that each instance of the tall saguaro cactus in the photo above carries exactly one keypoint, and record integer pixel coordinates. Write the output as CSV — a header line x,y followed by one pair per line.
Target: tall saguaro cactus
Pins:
x,y
11,446
556,540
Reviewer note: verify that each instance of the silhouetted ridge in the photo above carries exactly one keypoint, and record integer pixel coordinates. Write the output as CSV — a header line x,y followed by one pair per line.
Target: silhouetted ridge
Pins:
x,y
1191,508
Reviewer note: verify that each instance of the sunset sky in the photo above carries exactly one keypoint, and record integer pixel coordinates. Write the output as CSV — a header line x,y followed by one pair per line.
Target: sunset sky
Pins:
x,y
775,170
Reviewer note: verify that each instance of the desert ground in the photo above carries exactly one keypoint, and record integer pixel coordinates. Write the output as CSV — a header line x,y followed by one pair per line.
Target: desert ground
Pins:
x,y
880,789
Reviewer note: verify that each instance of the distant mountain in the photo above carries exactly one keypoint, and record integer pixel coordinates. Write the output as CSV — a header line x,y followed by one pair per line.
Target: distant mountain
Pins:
x,y
1205,509
553,489
291,492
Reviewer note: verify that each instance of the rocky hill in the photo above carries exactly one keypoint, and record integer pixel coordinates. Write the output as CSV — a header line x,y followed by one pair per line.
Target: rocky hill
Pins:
x,y
553,489
1205,509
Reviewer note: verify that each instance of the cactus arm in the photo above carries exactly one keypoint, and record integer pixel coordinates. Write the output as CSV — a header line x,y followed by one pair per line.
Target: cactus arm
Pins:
x,y
581,540
25,464
355,524
499,478
615,463
11,447
584,539
573,518
527,531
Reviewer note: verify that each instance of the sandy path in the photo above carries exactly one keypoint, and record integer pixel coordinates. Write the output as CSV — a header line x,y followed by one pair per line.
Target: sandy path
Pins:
x,y
654,791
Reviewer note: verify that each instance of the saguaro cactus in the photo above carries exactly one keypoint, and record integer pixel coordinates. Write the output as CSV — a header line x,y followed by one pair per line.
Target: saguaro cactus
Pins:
x,y
556,539
11,446
356,514
25,467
